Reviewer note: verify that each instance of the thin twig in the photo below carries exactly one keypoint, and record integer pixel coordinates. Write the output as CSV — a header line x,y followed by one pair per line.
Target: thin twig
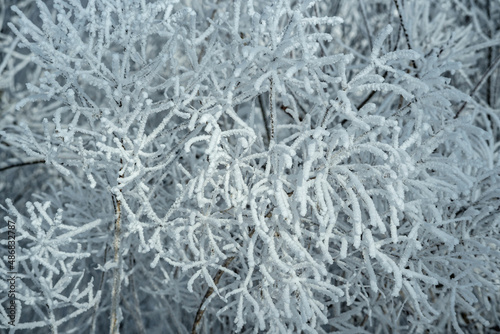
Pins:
x,y
372,94
115,296
202,51
412,62
210,291
485,76
365,20
365,101
272,110
22,164
297,102
369,97
402,24
263,112
489,95
327,113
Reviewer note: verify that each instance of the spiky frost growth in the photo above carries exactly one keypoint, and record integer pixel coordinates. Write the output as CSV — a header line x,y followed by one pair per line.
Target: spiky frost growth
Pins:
x,y
274,166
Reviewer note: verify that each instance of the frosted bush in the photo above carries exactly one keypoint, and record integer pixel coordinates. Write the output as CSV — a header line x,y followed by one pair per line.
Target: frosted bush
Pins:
x,y
251,166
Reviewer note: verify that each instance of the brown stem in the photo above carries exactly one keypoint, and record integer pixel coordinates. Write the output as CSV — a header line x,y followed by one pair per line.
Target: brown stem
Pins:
x,y
115,295
210,291
116,277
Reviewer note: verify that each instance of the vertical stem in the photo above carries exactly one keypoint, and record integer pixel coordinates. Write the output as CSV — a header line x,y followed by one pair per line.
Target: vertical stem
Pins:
x,y
412,62
115,295
117,273
489,95
403,25
263,112
272,109
365,20
325,117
